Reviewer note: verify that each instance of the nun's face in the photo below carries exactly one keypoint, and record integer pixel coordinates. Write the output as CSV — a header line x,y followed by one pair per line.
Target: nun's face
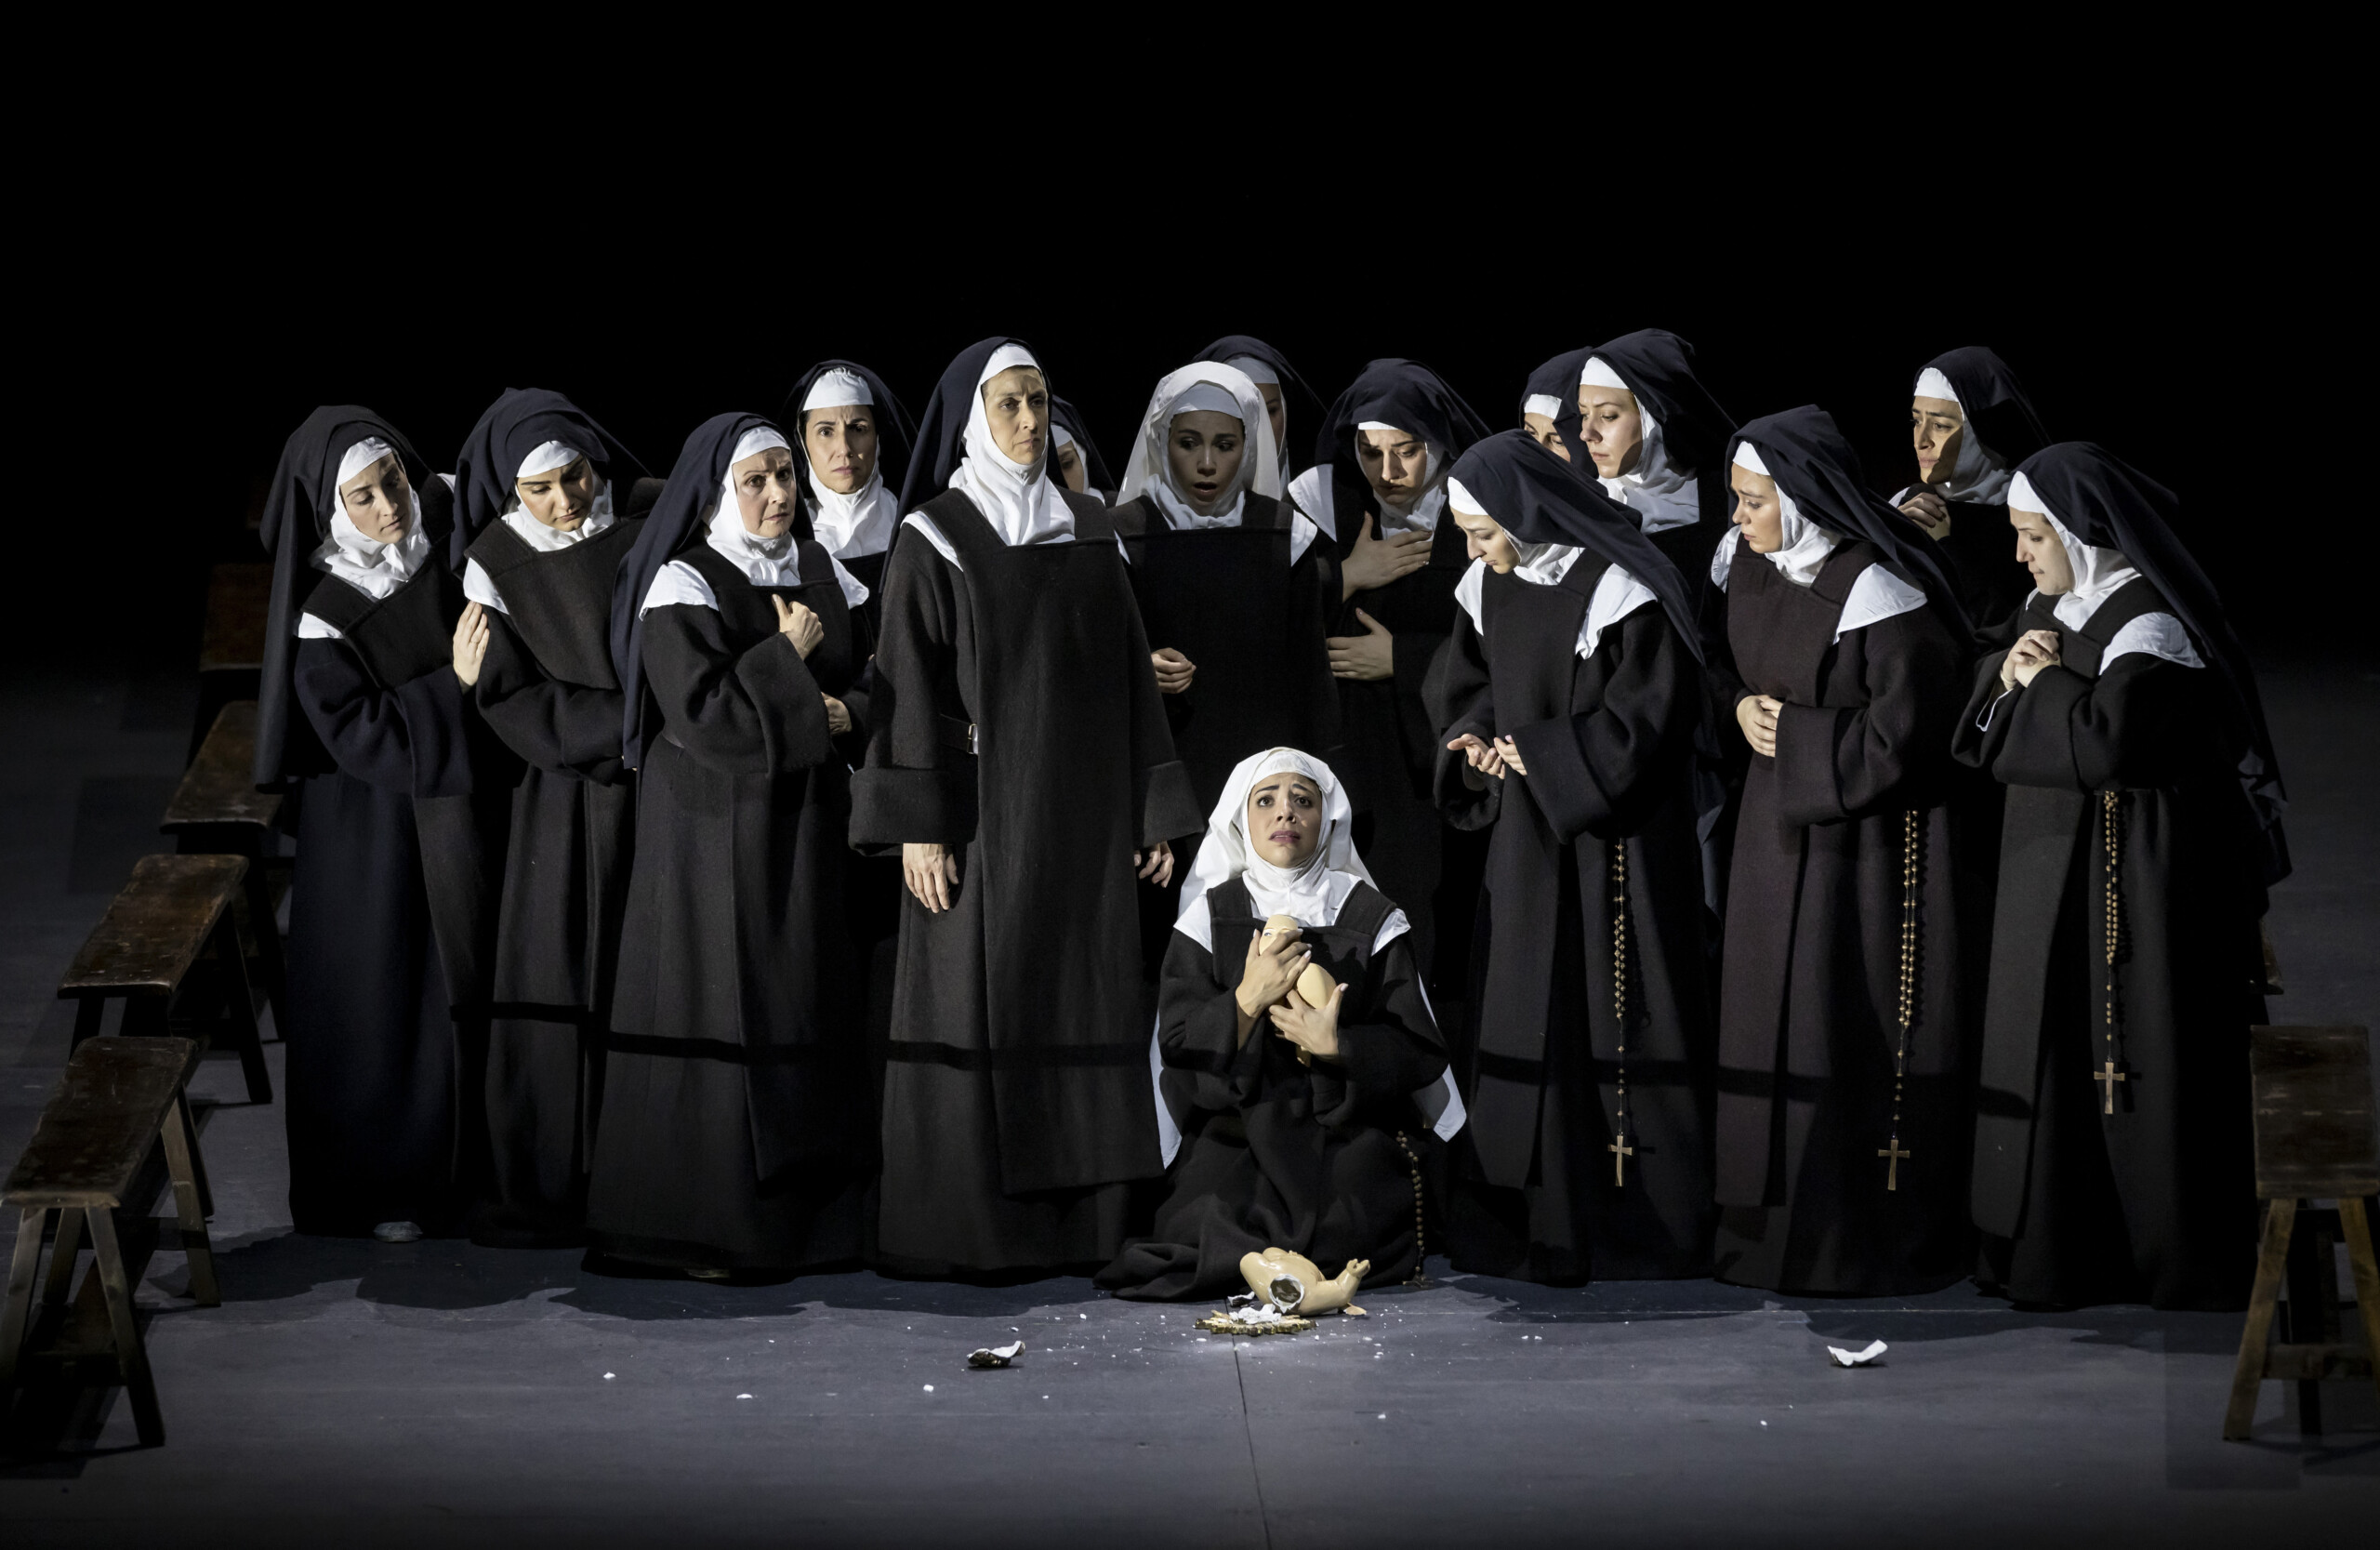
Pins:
x,y
1615,430
377,500
1396,464
1540,430
560,497
1069,460
1276,409
1933,425
1284,819
1205,448
841,446
765,492
1484,539
2043,552
1016,404
1758,511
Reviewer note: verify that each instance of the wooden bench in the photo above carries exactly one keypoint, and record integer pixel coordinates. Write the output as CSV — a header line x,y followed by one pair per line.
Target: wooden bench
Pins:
x,y
174,908
2314,1140
231,645
119,1099
217,810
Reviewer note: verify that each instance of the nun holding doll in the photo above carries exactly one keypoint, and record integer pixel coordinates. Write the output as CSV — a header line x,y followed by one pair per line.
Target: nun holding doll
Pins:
x,y
1299,1075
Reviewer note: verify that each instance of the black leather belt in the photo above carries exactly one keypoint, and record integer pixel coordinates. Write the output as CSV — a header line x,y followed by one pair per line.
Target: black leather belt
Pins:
x,y
957,734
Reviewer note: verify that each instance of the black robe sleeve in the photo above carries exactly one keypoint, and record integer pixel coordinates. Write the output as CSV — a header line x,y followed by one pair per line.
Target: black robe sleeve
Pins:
x,y
1164,806
567,728
755,713
1463,700
1605,770
414,738
2140,724
1834,762
919,788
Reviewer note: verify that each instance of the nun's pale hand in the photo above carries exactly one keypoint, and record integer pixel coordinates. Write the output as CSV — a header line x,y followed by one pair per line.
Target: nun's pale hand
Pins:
x,y
1173,671
2035,650
1510,752
839,715
1154,864
1929,511
1757,715
1377,561
1314,1029
931,873
1272,967
1367,658
797,621
1483,758
471,643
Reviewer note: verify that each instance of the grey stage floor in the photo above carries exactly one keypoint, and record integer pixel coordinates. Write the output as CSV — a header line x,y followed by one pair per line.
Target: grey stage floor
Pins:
x,y
359,1394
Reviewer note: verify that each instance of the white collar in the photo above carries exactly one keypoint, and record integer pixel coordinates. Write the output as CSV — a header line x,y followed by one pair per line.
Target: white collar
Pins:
x,y
1021,502
546,540
856,524
370,566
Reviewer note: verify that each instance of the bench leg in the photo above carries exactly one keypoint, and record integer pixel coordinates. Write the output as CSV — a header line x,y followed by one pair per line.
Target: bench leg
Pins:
x,y
244,1010
18,1319
2367,1280
2312,1290
130,1355
197,1158
2248,1375
182,1148
62,1258
87,1013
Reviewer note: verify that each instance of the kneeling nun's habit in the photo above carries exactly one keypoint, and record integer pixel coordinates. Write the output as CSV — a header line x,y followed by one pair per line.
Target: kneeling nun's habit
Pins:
x,y
734,1132
1269,1148
1845,1046
1015,722
363,721
2112,1159
1589,1047
546,689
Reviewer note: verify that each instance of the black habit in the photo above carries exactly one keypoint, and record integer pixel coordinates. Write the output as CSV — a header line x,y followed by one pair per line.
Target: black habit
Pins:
x,y
1979,552
1017,719
1845,910
895,442
1606,806
1658,368
2112,1151
547,690
1321,1158
373,736
735,1129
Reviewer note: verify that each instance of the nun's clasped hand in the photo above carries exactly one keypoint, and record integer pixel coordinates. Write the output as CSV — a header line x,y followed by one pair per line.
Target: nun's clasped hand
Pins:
x,y
1373,561
1490,758
1154,864
1367,658
797,621
1173,671
1273,965
1314,1029
1757,715
1929,511
2034,649
471,643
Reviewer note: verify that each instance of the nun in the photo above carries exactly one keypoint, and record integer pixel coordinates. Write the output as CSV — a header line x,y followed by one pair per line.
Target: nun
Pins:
x,y
363,721
543,497
1020,764
1652,429
1377,491
1843,1112
1971,423
1081,467
1289,1123
1569,705
734,1135
1550,408
2112,1154
855,443
1274,377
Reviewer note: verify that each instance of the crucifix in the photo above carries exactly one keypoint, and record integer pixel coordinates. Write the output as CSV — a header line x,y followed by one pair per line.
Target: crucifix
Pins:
x,y
1621,1152
2106,1076
1892,1172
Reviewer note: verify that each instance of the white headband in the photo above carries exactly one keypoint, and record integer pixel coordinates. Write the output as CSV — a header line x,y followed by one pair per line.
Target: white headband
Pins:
x,y
755,441
1204,396
1255,370
1461,500
1059,437
1594,373
1932,384
1748,457
1542,403
2022,496
545,457
1007,357
838,389
1381,425
361,456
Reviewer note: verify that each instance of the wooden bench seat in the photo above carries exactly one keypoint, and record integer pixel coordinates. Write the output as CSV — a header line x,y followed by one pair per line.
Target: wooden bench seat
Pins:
x,y
217,810
2312,1097
173,909
118,1099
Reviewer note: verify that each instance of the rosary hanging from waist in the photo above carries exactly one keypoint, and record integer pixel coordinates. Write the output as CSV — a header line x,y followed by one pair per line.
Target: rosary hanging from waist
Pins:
x,y
1619,1148
1912,879
2111,938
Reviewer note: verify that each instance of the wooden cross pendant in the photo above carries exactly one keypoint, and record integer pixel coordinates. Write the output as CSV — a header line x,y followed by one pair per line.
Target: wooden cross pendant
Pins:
x,y
1891,1171
2106,1076
1621,1152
